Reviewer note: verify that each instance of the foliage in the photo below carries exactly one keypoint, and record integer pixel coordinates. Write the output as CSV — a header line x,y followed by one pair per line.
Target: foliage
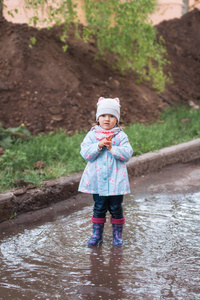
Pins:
x,y
122,28
60,152
176,125
10,135
9,12
33,41
13,159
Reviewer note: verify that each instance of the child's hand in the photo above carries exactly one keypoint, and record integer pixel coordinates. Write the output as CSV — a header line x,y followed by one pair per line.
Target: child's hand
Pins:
x,y
109,138
106,142
102,143
108,145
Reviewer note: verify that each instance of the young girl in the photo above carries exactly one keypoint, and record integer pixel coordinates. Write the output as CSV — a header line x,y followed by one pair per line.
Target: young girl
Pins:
x,y
107,149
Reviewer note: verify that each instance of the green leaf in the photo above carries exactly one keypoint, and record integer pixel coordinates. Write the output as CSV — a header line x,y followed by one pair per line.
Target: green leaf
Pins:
x,y
65,48
6,142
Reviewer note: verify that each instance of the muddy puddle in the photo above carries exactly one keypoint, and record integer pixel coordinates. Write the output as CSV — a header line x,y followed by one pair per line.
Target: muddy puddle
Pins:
x,y
159,259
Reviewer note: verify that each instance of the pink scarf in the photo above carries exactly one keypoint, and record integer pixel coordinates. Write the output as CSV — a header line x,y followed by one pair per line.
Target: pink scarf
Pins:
x,y
101,133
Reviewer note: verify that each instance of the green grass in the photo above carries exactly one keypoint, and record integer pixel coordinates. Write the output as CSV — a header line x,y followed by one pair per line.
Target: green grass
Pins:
x,y
170,130
60,152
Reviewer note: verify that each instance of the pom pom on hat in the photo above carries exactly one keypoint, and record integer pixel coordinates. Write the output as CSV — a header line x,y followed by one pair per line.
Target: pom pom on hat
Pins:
x,y
108,106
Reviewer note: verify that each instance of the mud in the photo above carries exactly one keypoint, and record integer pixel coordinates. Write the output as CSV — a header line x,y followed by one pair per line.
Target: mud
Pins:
x,y
47,89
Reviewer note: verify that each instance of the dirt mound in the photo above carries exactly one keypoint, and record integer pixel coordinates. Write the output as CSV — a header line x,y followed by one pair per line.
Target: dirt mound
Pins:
x,y
182,38
46,88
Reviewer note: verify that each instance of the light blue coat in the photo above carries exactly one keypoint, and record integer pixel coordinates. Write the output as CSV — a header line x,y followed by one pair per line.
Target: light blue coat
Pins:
x,y
106,172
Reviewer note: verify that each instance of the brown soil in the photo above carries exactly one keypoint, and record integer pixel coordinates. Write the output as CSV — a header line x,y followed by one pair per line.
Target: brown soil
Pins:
x,y
46,88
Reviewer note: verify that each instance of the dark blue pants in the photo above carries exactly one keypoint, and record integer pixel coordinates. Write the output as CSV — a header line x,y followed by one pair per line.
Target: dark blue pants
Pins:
x,y
113,204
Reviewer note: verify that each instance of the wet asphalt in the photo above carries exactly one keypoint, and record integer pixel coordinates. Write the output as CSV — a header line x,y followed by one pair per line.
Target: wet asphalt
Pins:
x,y
43,254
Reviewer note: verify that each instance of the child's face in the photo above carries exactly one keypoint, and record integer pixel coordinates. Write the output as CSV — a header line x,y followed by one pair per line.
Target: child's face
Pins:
x,y
107,121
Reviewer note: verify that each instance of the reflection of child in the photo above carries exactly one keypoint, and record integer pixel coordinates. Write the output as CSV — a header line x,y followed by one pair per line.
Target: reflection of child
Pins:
x,y
107,149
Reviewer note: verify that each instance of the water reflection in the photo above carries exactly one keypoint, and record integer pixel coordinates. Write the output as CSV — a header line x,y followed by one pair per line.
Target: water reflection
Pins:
x,y
104,277
159,260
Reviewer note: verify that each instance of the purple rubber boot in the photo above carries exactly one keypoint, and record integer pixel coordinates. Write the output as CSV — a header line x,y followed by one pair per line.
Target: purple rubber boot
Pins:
x,y
97,236
117,225
117,235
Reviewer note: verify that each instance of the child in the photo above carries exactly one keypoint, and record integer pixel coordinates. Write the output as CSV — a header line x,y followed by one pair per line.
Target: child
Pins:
x,y
107,149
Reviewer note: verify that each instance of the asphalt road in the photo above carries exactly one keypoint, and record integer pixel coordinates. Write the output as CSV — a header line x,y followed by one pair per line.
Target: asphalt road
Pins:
x,y
44,254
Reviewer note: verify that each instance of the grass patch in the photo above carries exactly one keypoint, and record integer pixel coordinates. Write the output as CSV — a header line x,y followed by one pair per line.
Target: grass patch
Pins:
x,y
60,152
176,125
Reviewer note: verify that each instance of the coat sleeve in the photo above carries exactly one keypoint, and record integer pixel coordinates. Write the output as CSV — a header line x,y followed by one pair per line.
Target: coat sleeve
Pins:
x,y
124,151
89,147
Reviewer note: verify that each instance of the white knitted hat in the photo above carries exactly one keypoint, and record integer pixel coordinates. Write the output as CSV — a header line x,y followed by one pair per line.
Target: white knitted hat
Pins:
x,y
108,106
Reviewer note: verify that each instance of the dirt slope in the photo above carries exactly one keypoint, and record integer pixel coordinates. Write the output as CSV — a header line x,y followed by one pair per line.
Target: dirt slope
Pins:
x,y
46,88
